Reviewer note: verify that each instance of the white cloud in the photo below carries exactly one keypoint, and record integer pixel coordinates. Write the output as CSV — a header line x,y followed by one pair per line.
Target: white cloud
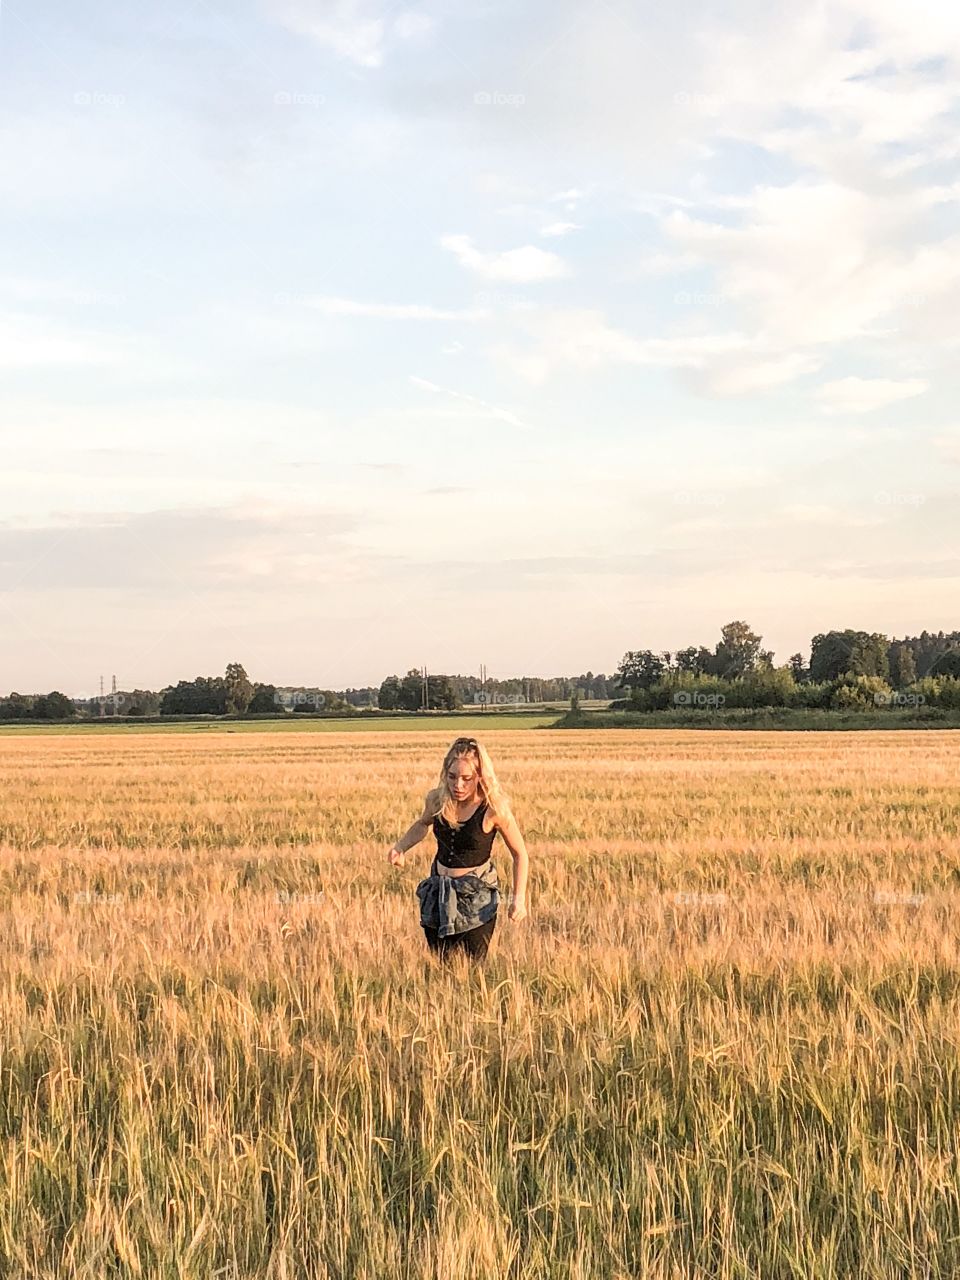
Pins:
x,y
349,27
387,310
519,265
489,410
411,24
860,395
355,30
560,228
32,340
662,264
723,364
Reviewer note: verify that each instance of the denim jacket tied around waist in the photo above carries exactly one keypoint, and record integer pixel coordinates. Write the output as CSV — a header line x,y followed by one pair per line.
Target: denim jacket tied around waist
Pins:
x,y
454,904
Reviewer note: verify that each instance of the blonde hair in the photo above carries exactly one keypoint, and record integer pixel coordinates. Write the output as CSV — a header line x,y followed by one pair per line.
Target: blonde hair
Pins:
x,y
487,784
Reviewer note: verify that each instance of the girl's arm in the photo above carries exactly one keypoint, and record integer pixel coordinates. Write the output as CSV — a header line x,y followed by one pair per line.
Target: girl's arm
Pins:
x,y
414,834
513,839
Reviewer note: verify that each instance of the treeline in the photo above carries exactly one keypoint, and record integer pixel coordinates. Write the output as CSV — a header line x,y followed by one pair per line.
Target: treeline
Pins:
x,y
449,693
847,669
234,693
36,706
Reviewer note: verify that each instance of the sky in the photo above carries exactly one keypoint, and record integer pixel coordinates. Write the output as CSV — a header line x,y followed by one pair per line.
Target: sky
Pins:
x,y
343,337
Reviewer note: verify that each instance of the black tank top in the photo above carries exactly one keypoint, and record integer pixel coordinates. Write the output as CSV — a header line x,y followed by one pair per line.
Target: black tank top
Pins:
x,y
469,845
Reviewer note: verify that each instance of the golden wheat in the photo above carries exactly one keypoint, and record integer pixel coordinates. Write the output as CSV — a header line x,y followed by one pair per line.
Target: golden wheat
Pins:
x,y
723,1044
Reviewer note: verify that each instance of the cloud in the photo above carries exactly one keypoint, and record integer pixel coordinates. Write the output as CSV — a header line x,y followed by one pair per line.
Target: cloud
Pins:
x,y
571,198
33,340
355,30
724,364
503,415
560,228
175,550
518,265
812,263
861,395
347,27
386,310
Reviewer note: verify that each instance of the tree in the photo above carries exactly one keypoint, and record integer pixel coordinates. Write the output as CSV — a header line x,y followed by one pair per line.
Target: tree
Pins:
x,y
411,690
639,669
696,661
907,667
54,706
869,655
737,651
441,694
17,707
389,697
838,653
800,672
264,700
903,668
204,696
947,663
238,689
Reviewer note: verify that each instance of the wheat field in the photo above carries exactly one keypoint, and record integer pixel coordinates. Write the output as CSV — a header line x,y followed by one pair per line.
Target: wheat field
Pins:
x,y
723,1044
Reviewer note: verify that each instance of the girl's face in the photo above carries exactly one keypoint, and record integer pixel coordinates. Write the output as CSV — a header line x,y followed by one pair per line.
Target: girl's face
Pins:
x,y
462,779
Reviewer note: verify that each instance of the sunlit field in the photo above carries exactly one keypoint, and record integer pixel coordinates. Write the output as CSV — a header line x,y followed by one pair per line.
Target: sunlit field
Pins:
x,y
724,1043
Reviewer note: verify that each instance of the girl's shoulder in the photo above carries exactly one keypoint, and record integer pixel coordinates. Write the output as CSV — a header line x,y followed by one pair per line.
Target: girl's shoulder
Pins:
x,y
432,802
431,806
502,816
498,817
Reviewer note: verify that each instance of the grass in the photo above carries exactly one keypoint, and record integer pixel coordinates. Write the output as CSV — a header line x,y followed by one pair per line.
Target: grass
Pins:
x,y
793,718
478,722
724,1043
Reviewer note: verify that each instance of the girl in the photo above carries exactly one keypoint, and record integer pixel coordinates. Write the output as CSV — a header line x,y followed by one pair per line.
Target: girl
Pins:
x,y
460,897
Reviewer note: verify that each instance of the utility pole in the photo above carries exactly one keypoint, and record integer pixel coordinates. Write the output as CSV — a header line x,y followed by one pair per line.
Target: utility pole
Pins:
x,y
103,710
113,695
426,690
483,686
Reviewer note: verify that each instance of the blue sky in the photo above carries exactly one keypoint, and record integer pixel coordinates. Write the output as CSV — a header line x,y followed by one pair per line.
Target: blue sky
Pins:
x,y
345,337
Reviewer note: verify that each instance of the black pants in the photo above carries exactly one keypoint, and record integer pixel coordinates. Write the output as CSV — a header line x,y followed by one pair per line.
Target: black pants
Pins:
x,y
474,943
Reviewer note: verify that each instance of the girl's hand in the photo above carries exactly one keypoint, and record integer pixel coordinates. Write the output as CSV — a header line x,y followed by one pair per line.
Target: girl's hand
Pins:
x,y
396,857
517,910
